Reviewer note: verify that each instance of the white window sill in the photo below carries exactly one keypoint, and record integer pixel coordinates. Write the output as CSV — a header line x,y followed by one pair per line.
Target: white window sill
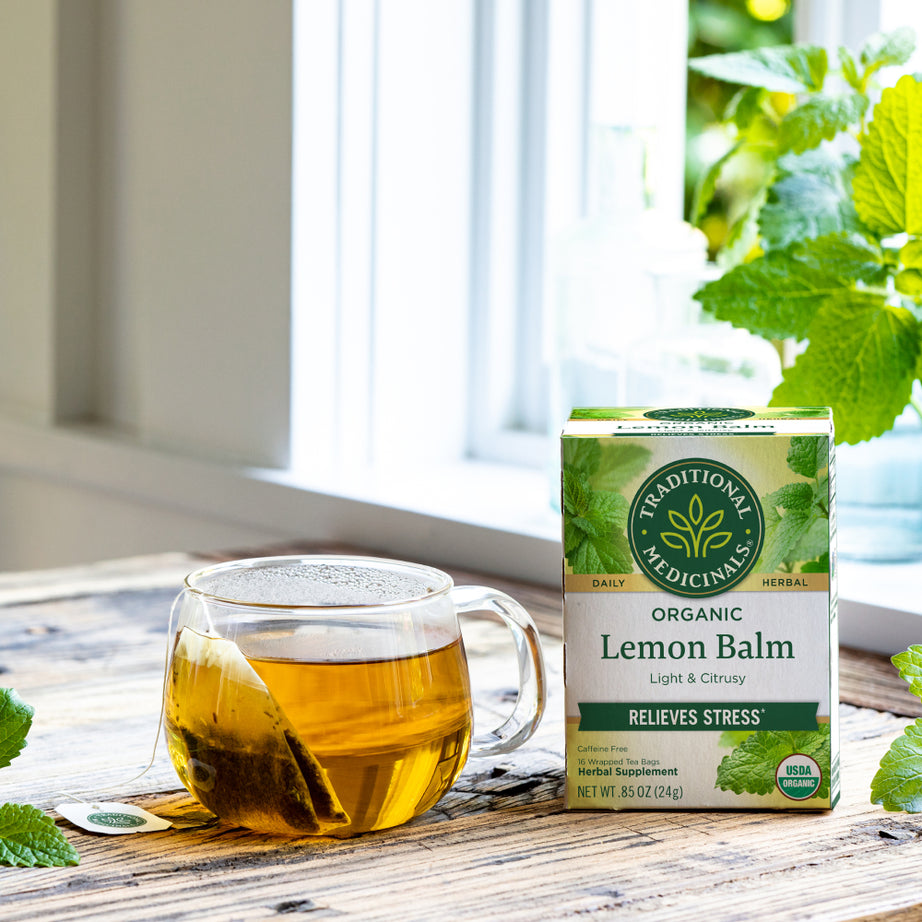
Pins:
x,y
492,518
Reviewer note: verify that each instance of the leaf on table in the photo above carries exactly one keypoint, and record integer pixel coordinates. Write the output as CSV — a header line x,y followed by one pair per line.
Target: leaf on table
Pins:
x,y
909,665
888,181
776,296
780,69
819,119
29,838
751,767
897,785
15,721
861,361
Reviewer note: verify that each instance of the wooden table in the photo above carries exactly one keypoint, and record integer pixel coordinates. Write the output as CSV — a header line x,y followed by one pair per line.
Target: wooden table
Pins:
x,y
85,647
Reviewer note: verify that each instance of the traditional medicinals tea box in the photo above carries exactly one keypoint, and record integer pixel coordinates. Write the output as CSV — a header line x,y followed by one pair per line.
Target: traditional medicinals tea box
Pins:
x,y
700,609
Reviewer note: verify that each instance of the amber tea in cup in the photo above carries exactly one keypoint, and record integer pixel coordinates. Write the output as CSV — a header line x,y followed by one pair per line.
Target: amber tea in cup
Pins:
x,y
330,695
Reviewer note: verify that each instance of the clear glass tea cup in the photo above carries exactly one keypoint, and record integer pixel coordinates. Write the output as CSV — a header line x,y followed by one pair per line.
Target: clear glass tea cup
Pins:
x,y
330,695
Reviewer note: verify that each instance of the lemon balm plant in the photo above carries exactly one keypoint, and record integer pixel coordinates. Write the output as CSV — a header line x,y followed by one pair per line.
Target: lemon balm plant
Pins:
x,y
28,837
828,251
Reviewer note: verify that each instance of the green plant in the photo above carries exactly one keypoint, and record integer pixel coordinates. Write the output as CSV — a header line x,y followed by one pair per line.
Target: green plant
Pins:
x,y
28,837
898,782
828,251
594,512
797,514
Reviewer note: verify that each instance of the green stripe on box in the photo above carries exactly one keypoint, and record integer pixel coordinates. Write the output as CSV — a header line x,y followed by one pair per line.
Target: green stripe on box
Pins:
x,y
708,715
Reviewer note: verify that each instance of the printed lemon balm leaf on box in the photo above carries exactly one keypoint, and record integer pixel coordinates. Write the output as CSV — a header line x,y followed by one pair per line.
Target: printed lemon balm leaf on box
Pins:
x,y
797,514
595,514
752,767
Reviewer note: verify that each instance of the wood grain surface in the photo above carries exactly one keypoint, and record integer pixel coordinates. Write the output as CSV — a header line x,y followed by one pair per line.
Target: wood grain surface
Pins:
x,y
86,647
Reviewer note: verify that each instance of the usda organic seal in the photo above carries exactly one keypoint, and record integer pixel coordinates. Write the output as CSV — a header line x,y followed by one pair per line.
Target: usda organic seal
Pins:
x,y
798,777
696,527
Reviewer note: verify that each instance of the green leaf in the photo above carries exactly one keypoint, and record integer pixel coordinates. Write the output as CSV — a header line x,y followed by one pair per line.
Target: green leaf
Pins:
x,y
819,119
745,107
820,565
581,454
602,555
577,493
783,533
909,283
751,767
775,296
848,257
744,232
732,738
911,254
808,454
791,496
15,721
850,69
898,782
594,524
779,69
888,182
811,198
813,542
909,666
29,838
704,190
886,49
619,463
860,361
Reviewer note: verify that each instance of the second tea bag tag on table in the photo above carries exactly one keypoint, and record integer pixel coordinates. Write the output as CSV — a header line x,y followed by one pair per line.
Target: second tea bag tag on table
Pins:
x,y
112,818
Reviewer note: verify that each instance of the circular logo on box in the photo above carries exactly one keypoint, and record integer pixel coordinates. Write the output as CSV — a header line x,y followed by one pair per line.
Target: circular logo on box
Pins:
x,y
798,777
696,527
698,414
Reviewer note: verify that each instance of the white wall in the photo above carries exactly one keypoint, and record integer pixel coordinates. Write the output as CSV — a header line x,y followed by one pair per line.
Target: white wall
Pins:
x,y
145,202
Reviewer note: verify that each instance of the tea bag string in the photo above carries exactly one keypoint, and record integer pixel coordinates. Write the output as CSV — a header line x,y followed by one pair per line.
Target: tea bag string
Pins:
x,y
168,647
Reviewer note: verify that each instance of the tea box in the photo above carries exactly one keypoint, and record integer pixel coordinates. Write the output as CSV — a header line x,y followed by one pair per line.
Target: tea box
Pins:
x,y
700,634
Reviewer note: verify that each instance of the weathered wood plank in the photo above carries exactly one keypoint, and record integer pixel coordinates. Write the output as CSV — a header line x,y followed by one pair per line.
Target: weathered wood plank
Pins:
x,y
499,845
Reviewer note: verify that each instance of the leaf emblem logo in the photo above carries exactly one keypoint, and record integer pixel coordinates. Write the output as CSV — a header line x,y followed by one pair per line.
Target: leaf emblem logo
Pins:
x,y
696,527
694,533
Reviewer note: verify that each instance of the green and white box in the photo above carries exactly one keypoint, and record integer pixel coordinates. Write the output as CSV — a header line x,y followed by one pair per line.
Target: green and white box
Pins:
x,y
700,609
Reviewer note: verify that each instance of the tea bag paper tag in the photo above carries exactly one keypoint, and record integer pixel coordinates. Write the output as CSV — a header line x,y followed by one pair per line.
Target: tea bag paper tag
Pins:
x,y
112,818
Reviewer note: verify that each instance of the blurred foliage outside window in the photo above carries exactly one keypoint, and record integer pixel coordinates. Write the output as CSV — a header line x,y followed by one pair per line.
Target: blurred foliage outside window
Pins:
x,y
716,27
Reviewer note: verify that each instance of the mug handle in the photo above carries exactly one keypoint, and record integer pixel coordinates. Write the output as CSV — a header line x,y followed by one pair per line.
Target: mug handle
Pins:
x,y
529,706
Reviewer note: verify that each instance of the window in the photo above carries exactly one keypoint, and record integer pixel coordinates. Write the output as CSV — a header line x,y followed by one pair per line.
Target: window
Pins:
x,y
144,262
440,149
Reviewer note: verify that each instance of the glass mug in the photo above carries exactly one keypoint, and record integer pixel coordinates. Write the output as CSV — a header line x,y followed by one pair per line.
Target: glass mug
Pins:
x,y
329,695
